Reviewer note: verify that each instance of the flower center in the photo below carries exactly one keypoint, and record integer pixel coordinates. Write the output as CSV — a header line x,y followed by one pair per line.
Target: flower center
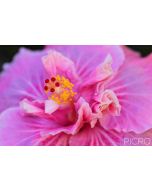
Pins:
x,y
59,89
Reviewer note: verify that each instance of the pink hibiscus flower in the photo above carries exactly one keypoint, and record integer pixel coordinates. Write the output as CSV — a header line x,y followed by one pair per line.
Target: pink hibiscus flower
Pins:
x,y
76,95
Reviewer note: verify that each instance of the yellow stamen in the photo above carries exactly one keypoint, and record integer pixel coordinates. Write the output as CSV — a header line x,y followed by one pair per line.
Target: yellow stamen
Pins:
x,y
60,89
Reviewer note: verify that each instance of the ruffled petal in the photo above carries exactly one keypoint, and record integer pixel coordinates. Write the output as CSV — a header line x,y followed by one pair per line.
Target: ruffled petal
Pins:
x,y
100,74
96,136
32,107
50,106
57,64
60,139
20,124
84,114
20,129
38,108
72,119
87,58
106,102
23,78
133,88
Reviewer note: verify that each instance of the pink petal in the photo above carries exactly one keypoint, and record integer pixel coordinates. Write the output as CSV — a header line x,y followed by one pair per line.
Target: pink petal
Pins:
x,y
42,109
15,130
24,78
31,107
55,63
101,73
19,129
86,58
96,136
133,88
84,114
107,103
130,55
60,139
50,106
73,118
28,129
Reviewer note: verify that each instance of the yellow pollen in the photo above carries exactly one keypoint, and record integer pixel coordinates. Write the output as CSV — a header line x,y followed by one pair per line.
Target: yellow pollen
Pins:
x,y
59,89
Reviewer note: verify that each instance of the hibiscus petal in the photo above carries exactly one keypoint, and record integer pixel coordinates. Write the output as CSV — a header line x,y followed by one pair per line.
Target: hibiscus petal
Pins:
x,y
84,115
19,129
86,58
96,136
60,139
24,78
15,131
101,73
130,55
55,63
107,103
132,86
30,107
38,108
51,106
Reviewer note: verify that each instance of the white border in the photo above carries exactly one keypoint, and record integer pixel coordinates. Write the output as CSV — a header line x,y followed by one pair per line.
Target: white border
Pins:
x,y
88,22
75,168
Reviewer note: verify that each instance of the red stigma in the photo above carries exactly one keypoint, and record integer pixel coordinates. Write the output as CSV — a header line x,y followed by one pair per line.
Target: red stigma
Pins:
x,y
52,90
53,79
47,81
57,84
45,88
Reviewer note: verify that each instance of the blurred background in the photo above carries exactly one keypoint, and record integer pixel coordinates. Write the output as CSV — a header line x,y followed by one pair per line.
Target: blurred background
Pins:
x,y
8,51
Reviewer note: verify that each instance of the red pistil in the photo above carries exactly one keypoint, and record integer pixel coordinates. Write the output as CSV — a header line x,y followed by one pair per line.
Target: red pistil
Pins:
x,y
53,79
46,88
52,90
57,84
47,81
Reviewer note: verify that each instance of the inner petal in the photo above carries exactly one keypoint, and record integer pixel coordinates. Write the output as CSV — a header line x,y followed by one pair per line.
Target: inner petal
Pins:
x,y
107,102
